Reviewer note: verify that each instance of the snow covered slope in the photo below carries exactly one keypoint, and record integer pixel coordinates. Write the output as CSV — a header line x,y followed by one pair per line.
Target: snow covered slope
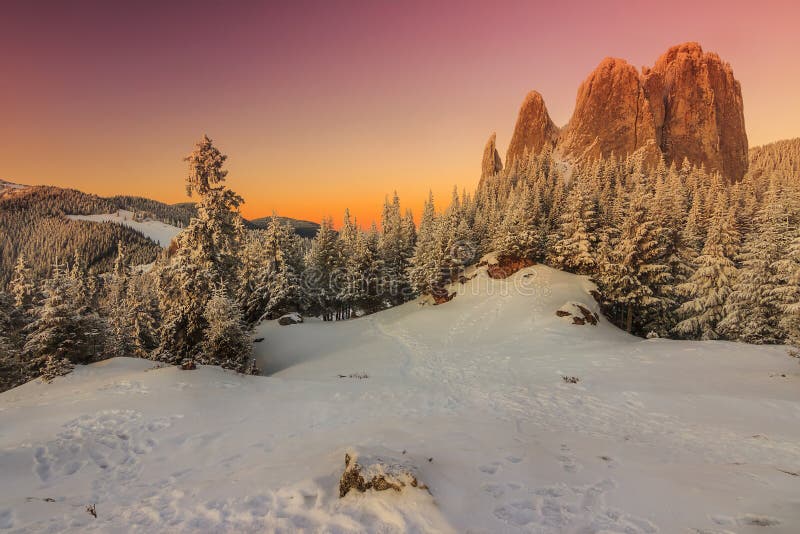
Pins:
x,y
657,436
158,231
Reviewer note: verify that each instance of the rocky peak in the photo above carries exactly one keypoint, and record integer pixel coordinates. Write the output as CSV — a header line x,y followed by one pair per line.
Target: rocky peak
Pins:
x,y
491,163
534,129
612,114
688,105
698,110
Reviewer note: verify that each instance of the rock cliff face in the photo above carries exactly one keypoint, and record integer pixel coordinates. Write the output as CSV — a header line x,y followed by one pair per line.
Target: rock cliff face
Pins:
x,y
688,105
698,110
534,129
612,114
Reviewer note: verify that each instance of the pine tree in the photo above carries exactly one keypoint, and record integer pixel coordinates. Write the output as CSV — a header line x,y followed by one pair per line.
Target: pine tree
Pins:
x,y
12,371
226,342
207,255
711,282
61,330
323,273
270,272
22,285
141,302
395,247
787,291
575,249
752,312
350,290
120,316
787,294
425,267
516,237
630,272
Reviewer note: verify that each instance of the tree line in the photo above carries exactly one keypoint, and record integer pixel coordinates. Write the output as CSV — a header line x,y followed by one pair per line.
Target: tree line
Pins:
x,y
675,251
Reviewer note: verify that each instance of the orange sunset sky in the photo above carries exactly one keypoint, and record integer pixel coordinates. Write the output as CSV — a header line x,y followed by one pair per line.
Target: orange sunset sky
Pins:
x,y
333,104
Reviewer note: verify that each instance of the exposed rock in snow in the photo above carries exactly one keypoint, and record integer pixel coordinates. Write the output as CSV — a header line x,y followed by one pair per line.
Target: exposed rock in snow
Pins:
x,y
378,471
504,267
581,315
290,318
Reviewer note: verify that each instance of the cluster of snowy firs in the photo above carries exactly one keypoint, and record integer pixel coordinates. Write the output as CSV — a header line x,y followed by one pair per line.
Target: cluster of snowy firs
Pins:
x,y
674,251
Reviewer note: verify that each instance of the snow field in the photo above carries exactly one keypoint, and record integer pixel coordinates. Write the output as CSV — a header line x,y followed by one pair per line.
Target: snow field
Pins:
x,y
657,436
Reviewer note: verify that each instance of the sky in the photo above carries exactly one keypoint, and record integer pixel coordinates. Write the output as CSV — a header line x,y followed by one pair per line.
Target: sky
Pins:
x,y
327,105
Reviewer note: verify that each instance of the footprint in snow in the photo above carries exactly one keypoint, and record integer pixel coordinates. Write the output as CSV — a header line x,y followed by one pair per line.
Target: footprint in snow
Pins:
x,y
567,460
495,490
490,469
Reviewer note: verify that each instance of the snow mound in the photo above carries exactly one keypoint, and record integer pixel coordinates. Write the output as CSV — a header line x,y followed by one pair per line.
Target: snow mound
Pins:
x,y
161,233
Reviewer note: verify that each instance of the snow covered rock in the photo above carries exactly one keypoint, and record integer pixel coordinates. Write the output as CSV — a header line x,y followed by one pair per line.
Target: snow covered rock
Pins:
x,y
377,471
583,316
290,318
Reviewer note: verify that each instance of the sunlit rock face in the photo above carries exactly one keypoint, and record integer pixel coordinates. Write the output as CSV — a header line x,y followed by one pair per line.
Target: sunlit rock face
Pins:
x,y
534,129
688,105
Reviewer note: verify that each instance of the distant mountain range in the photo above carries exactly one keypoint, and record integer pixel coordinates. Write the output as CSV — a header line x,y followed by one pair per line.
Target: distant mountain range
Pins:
x,y
174,214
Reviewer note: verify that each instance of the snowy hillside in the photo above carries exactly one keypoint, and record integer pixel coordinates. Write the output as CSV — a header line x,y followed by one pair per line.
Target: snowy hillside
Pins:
x,y
9,186
655,436
158,231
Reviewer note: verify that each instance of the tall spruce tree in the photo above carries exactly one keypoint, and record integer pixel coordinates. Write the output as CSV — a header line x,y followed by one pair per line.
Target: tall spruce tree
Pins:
x,y
120,316
395,246
22,286
323,276
206,257
226,342
752,313
630,270
62,330
707,289
426,266
270,272
575,248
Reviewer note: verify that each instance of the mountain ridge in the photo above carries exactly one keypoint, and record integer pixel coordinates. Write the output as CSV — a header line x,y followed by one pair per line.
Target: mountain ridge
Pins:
x,y
688,105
